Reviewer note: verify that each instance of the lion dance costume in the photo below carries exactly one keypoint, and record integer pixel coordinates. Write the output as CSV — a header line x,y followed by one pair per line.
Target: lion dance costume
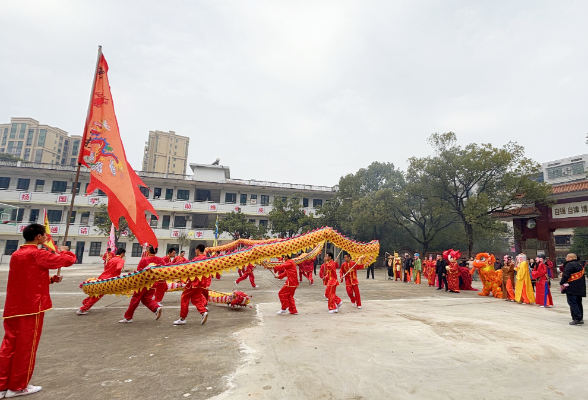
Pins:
x,y
491,279
452,269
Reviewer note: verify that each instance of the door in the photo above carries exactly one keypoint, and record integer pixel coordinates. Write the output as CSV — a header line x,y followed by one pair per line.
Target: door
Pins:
x,y
80,252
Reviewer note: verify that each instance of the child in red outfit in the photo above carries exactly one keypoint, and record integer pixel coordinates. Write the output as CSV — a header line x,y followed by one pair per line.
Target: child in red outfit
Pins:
x,y
349,271
27,299
286,293
247,273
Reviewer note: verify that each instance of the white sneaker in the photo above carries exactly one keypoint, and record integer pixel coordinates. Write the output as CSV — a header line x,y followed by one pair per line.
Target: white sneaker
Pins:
x,y
358,306
236,284
326,298
541,306
352,304
79,312
204,318
256,286
158,313
282,311
180,322
2,394
339,305
125,321
333,311
30,389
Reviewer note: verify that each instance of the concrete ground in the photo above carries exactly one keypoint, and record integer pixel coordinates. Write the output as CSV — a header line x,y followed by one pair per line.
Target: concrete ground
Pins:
x,y
407,342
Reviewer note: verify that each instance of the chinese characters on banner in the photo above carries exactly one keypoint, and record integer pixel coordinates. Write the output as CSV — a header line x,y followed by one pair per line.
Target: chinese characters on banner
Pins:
x,y
199,234
20,228
62,199
187,206
212,207
175,233
261,210
237,209
54,229
25,197
84,231
570,210
93,201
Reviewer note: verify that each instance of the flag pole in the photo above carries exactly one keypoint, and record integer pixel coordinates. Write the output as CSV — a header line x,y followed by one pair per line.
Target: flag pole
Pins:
x,y
75,185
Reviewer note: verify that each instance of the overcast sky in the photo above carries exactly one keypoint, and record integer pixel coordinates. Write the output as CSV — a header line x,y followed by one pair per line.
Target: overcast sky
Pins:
x,y
306,91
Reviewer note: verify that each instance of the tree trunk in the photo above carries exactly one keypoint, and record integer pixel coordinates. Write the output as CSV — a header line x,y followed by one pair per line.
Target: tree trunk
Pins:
x,y
470,237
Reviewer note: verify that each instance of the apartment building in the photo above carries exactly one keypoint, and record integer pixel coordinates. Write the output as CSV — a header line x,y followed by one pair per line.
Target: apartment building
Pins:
x,y
31,141
166,152
184,203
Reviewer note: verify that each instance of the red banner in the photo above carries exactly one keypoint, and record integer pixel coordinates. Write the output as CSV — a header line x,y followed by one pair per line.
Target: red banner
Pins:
x,y
103,153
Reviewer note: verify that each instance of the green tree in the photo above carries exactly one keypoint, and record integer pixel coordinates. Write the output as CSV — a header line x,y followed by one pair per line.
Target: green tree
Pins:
x,y
477,180
103,223
580,245
183,240
238,226
9,157
287,217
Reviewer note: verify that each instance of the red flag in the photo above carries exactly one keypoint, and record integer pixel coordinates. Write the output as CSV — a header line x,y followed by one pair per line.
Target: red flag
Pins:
x,y
103,153
49,243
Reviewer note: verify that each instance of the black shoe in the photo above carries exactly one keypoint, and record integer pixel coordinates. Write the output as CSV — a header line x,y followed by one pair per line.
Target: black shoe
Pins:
x,y
574,322
581,322
438,288
446,290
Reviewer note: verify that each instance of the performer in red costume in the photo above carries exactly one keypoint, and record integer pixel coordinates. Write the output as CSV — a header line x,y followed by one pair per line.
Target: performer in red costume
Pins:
x,y
161,286
452,269
247,273
27,299
430,270
145,295
286,293
349,271
542,292
329,275
306,267
112,269
181,258
107,256
196,292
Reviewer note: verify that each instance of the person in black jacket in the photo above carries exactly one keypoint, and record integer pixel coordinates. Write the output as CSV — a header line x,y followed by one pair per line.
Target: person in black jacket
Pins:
x,y
441,270
573,277
407,265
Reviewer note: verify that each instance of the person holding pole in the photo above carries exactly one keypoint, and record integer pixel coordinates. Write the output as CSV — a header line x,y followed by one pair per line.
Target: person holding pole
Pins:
x,y
286,293
329,275
27,299
349,273
195,292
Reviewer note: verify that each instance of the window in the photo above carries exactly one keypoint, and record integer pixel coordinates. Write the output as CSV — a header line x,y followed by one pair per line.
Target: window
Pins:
x,y
179,221
30,137
562,240
75,147
27,154
13,131
121,245
156,193
54,216
243,199
23,129
77,188
253,198
23,184
4,183
11,147
137,250
11,247
153,222
264,200
252,221
38,155
72,161
72,219
85,218
165,223
263,222
95,249
202,195
59,187
20,215
39,185
169,194
174,245
5,136
230,198
144,191
317,203
183,194
42,136
34,215
304,203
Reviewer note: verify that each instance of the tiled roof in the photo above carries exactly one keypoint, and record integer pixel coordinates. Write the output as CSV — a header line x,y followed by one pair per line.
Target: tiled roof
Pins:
x,y
521,211
570,187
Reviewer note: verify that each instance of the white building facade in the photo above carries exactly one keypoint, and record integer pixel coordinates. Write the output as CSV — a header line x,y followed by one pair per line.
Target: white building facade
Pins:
x,y
184,203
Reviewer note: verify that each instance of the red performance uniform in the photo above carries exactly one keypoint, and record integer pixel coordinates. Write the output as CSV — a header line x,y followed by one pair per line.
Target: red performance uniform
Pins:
x,y
161,286
106,257
542,292
144,295
195,292
430,272
305,268
112,269
329,271
351,282
27,299
180,260
453,277
247,272
286,293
